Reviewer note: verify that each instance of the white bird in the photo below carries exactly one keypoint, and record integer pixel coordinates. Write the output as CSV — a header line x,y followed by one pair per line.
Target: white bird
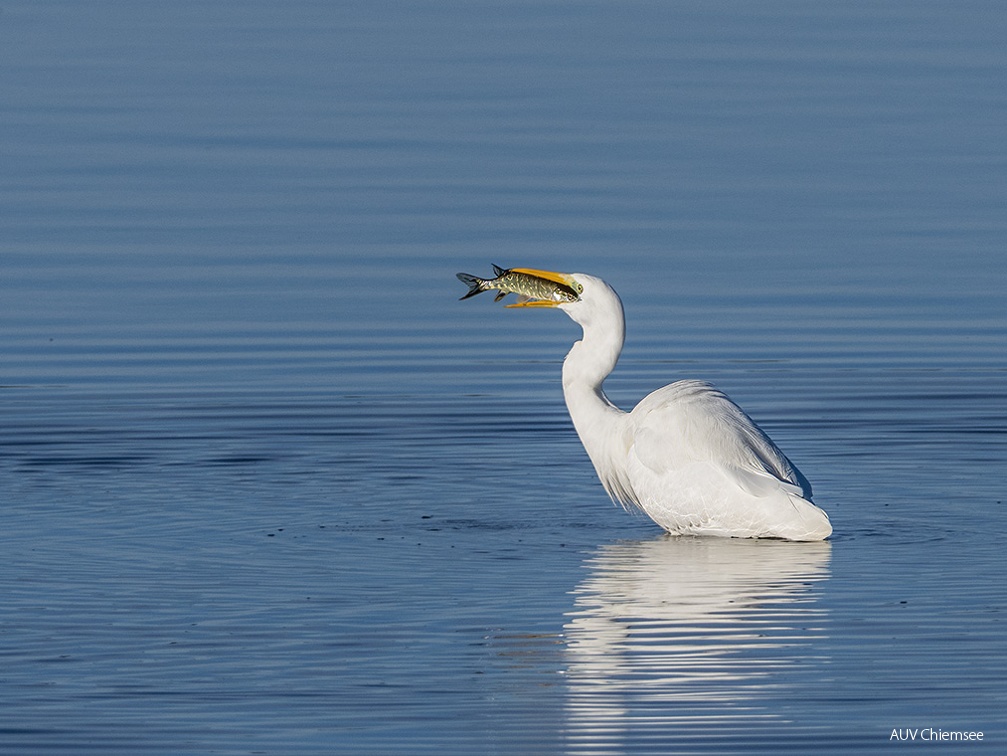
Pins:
x,y
686,455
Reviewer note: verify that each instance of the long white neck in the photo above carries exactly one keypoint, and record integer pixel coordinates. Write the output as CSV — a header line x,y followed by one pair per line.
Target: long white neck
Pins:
x,y
598,422
585,368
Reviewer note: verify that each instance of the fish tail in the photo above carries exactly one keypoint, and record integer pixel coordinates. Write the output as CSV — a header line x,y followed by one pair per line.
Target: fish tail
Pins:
x,y
474,283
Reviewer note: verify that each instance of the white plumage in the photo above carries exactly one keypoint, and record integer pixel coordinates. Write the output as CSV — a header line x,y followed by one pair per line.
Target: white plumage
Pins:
x,y
686,455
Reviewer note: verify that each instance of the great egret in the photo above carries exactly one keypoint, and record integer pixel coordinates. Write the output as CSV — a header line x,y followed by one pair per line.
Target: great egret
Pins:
x,y
686,455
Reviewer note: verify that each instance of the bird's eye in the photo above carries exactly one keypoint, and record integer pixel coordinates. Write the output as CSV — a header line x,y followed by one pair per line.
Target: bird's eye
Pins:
x,y
578,287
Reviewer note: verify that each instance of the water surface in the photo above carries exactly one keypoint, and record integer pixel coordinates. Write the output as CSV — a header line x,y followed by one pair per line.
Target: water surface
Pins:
x,y
269,488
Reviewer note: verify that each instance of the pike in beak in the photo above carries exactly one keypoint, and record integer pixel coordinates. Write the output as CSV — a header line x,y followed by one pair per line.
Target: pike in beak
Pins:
x,y
535,288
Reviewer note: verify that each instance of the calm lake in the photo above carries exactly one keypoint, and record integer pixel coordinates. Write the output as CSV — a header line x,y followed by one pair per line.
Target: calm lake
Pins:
x,y
269,488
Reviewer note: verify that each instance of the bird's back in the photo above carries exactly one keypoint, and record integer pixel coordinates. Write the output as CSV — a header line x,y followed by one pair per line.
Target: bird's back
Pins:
x,y
698,464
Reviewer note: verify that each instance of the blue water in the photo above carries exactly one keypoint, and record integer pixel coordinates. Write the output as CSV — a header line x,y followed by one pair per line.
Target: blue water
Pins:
x,y
270,488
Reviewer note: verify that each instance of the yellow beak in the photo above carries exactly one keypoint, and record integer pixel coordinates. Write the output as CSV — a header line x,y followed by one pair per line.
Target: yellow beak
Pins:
x,y
535,303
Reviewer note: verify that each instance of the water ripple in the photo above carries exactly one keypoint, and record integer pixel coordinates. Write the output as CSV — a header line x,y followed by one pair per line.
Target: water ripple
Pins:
x,y
690,636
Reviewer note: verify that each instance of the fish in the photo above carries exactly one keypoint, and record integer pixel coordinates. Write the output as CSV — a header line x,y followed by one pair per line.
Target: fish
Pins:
x,y
530,286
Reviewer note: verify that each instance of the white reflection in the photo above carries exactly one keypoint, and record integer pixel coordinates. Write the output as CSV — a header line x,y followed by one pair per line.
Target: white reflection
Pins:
x,y
687,637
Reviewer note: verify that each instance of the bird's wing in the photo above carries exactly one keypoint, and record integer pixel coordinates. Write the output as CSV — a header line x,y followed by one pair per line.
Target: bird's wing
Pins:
x,y
692,422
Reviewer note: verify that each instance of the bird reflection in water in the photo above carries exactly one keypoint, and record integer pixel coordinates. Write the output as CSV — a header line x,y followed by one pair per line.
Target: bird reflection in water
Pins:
x,y
688,639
